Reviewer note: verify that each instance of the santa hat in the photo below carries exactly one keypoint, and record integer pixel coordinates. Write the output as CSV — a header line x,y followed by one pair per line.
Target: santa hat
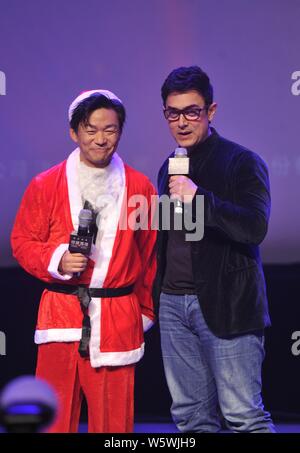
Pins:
x,y
86,94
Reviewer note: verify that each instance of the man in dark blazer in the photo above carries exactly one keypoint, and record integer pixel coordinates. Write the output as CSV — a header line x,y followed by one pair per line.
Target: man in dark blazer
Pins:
x,y
212,296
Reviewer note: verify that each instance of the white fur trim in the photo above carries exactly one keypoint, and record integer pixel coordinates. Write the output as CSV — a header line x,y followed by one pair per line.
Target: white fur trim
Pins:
x,y
104,245
99,358
54,263
74,187
94,253
147,323
60,335
106,237
118,358
87,94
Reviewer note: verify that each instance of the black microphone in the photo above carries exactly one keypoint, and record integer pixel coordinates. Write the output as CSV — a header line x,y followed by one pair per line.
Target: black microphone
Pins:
x,y
179,165
81,242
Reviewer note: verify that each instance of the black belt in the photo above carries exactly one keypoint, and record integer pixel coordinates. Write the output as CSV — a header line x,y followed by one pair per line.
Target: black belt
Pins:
x,y
85,295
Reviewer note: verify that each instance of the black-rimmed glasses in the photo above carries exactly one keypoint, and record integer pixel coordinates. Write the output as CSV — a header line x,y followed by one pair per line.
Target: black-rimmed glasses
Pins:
x,y
189,113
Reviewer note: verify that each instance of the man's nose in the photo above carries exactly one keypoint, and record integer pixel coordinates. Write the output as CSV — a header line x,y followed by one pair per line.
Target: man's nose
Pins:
x,y
182,122
100,138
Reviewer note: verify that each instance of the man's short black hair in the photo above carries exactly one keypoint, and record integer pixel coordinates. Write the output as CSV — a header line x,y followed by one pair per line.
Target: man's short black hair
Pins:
x,y
184,79
85,108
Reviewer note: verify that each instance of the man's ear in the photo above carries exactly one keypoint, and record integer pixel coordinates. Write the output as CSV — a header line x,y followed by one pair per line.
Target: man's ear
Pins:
x,y
211,111
73,135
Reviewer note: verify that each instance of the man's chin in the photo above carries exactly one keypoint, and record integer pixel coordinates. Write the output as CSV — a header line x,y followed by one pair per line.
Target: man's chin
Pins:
x,y
103,163
186,143
96,163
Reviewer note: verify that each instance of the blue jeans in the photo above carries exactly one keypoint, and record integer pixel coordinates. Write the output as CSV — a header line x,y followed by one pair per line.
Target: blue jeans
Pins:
x,y
209,376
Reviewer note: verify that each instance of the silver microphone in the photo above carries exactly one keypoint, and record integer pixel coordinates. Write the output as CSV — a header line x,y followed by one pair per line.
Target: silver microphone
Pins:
x,y
84,220
179,165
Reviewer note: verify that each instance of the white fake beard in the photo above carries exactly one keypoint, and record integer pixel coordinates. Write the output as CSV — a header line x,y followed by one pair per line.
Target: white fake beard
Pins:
x,y
101,186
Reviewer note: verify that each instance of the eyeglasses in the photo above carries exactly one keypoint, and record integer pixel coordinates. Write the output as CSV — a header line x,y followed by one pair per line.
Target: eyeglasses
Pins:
x,y
189,113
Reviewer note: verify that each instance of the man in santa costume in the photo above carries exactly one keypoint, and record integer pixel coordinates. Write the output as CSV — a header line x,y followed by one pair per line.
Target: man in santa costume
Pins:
x,y
94,311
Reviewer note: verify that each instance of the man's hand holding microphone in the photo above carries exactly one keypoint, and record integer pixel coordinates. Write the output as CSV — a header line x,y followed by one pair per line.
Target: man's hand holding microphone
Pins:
x,y
181,187
72,263
74,260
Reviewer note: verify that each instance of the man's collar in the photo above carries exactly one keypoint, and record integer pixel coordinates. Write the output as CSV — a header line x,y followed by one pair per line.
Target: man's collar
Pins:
x,y
206,144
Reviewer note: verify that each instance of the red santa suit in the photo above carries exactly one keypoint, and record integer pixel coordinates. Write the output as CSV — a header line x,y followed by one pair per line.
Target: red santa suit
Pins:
x,y
123,255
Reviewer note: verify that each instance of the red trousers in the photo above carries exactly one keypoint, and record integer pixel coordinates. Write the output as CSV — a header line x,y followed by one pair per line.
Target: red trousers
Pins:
x,y
109,391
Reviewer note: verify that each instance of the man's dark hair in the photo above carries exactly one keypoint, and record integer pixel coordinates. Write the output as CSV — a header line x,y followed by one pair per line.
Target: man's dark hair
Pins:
x,y
184,79
85,108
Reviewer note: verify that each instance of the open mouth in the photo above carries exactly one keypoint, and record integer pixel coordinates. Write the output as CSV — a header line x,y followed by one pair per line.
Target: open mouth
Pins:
x,y
184,134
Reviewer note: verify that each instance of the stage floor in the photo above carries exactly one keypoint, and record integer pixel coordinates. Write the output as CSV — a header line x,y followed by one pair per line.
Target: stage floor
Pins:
x,y
171,428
